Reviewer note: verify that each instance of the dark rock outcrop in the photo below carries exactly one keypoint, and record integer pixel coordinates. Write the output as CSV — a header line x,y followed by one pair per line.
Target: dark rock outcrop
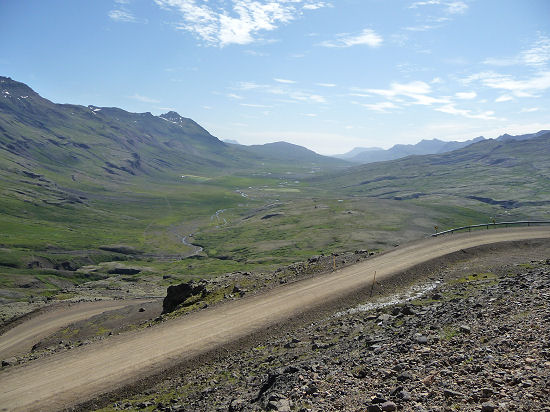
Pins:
x,y
180,295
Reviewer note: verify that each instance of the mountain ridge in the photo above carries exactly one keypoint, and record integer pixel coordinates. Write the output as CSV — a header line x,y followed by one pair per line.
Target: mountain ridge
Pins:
x,y
423,147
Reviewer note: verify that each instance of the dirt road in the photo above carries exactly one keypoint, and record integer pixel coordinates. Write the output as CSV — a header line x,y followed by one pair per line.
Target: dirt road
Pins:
x,y
22,337
69,378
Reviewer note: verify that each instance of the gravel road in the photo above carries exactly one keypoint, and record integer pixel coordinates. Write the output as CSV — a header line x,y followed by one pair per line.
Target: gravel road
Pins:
x,y
70,378
21,338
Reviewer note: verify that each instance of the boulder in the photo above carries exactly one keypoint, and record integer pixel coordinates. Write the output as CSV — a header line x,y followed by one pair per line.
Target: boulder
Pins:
x,y
178,295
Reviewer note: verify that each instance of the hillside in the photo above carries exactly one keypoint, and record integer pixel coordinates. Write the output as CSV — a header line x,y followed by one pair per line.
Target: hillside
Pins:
x,y
284,151
510,175
90,195
111,143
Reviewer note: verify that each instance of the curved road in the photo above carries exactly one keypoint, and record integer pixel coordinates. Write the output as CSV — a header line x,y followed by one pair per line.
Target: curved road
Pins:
x,y
21,338
85,372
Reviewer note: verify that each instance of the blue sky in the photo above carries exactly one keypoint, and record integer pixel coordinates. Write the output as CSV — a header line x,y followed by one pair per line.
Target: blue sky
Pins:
x,y
326,74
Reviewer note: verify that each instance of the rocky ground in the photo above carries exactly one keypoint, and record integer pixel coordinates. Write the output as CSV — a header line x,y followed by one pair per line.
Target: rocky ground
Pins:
x,y
477,340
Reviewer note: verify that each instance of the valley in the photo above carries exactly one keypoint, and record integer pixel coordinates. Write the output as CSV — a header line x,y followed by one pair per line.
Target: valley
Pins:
x,y
103,210
128,203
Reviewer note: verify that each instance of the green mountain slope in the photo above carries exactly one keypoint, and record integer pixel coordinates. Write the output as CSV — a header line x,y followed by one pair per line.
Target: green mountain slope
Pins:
x,y
510,175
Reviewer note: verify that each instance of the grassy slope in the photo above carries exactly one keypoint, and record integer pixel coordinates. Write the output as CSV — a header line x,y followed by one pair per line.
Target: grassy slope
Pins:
x,y
488,179
75,178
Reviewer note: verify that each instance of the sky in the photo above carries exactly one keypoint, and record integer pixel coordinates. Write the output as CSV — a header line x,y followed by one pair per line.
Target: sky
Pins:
x,y
329,75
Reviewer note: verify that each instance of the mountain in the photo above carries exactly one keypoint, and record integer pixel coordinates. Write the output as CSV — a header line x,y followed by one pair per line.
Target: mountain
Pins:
x,y
106,142
291,152
506,136
507,176
369,155
231,141
357,150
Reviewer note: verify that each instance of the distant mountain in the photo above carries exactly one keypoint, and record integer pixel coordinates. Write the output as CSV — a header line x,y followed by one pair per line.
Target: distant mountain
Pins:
x,y
231,141
357,150
424,147
291,152
507,176
370,155
506,137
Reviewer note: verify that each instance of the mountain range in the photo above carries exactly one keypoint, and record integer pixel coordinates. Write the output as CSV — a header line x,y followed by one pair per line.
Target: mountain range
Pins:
x,y
37,134
79,183
424,147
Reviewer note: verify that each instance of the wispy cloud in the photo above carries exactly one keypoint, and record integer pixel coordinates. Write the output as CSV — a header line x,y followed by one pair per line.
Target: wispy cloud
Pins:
x,y
235,21
143,99
466,95
317,5
450,7
417,92
367,37
537,55
284,81
326,84
285,89
381,107
259,106
122,16
451,109
530,109
504,98
445,11
519,88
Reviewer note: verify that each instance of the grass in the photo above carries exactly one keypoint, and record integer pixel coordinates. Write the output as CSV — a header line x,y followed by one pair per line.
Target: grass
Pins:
x,y
448,332
61,202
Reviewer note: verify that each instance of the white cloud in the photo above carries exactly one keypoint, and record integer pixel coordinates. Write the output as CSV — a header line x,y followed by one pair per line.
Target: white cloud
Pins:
x,y
451,7
417,91
367,37
285,89
143,99
519,88
260,106
235,21
538,55
326,84
382,107
284,81
451,109
310,114
456,7
504,98
530,109
423,27
235,96
424,3
124,16
466,95
315,6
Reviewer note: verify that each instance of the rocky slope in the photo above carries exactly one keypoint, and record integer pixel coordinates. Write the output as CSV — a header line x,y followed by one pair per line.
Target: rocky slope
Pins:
x,y
473,341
